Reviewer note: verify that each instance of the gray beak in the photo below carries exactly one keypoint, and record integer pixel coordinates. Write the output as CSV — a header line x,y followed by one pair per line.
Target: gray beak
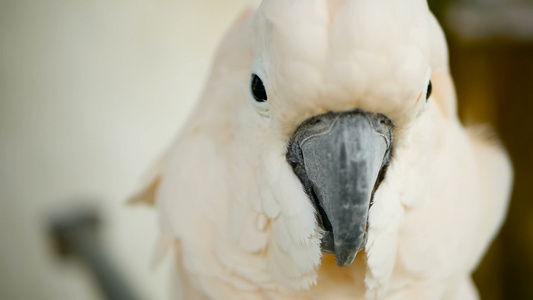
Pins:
x,y
340,158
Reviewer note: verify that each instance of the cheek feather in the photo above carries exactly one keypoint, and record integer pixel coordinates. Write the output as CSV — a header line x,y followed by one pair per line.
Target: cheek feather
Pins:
x,y
419,97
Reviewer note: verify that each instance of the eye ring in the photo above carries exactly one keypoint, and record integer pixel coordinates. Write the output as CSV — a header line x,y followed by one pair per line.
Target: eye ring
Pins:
x,y
429,90
258,89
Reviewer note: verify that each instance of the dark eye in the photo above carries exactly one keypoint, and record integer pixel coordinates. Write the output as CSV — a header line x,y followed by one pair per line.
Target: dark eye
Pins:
x,y
258,89
430,89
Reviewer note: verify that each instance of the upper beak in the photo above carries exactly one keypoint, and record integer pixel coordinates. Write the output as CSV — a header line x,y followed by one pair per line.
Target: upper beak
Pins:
x,y
340,159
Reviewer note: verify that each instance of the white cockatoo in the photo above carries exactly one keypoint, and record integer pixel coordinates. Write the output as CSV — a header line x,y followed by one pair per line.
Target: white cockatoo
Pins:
x,y
325,160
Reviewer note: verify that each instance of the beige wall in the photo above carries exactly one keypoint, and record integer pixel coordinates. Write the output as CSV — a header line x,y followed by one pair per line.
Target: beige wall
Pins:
x,y
90,93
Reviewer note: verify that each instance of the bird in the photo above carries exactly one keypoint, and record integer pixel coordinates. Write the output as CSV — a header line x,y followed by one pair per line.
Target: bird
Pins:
x,y
325,159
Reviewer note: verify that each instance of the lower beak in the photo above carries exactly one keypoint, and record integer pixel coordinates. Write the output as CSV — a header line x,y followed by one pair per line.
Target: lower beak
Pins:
x,y
339,157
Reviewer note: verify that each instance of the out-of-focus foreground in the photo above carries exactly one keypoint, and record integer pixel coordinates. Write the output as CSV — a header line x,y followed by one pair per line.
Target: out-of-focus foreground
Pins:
x,y
92,91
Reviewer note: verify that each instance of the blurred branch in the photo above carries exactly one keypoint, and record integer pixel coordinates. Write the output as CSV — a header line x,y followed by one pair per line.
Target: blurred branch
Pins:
x,y
476,22
75,235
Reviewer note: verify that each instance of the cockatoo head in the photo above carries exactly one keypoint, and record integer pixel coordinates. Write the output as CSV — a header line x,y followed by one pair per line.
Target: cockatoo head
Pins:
x,y
335,83
317,132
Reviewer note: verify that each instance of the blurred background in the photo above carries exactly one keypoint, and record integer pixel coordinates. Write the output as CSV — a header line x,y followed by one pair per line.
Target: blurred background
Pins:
x,y
92,91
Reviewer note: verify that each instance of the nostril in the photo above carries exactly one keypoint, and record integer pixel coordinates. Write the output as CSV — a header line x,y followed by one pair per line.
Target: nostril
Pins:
x,y
383,120
316,121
